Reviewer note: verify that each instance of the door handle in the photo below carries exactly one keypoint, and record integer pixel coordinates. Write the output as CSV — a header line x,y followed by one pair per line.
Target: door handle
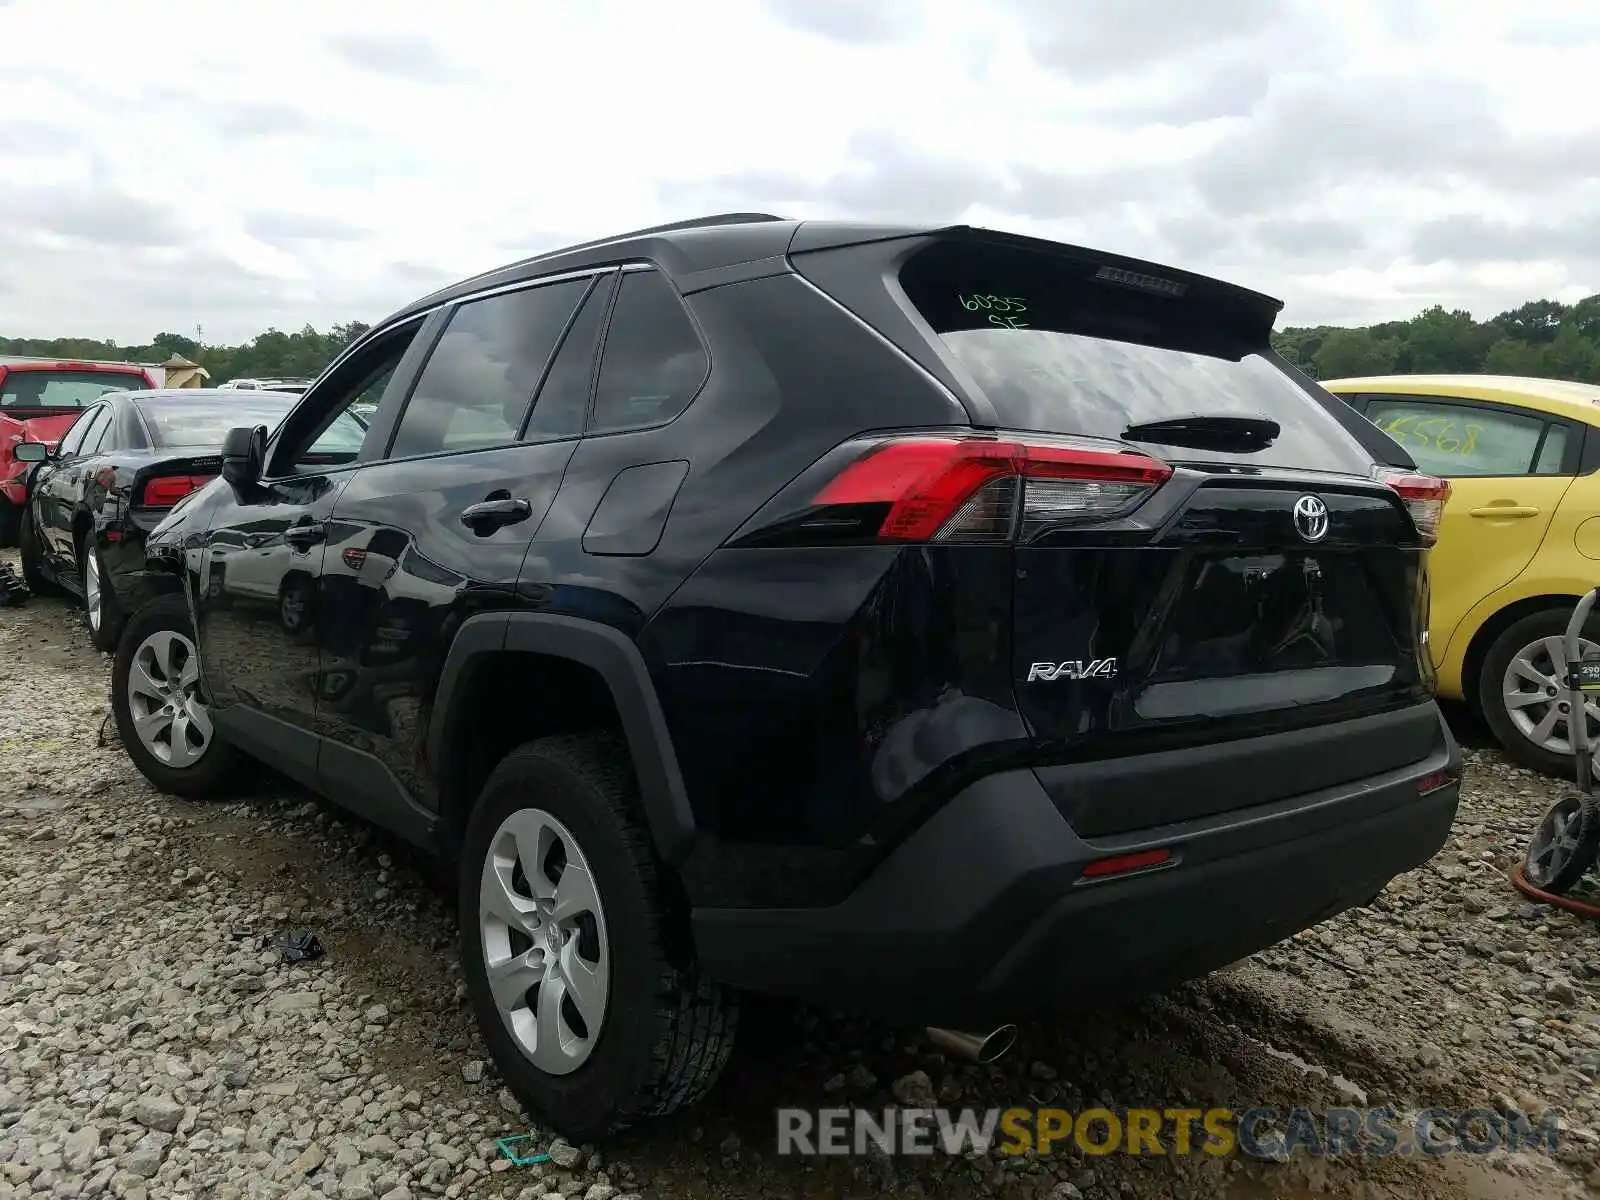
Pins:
x,y
1505,510
302,536
489,515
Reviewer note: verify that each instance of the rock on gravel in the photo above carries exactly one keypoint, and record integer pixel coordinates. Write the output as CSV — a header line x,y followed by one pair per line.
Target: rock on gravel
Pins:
x,y
157,1112
563,1154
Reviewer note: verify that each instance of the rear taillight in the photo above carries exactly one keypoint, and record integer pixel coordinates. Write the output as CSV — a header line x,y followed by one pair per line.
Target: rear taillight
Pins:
x,y
1424,497
976,489
167,490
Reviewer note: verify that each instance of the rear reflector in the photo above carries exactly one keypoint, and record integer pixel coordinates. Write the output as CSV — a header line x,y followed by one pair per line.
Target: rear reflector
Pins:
x,y
974,489
1424,496
1124,864
1434,781
167,490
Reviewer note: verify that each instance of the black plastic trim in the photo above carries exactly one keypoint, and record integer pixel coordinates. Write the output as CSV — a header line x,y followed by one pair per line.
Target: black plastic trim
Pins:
x,y
362,784
288,748
614,657
994,883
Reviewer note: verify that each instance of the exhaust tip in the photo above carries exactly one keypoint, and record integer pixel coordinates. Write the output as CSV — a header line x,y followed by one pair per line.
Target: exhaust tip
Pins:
x,y
998,1044
981,1048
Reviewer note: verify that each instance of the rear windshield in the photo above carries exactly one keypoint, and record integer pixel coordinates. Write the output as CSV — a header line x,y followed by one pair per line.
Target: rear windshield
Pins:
x,y
180,421
1055,350
63,389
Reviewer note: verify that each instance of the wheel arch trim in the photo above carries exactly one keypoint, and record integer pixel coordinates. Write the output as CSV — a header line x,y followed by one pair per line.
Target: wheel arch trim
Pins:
x,y
614,657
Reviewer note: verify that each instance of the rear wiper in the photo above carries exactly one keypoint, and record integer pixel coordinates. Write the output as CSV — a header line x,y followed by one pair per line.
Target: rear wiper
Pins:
x,y
1208,432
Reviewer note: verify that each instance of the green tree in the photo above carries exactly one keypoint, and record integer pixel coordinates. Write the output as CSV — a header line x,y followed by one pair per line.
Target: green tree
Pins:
x,y
1508,356
1441,342
1584,316
1346,352
1535,322
176,343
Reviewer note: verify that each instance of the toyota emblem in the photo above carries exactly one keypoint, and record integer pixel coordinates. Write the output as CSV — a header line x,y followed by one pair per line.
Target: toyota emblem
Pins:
x,y
1311,518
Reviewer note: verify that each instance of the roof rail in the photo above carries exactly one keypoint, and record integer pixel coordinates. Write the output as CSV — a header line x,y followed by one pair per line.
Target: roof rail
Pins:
x,y
732,218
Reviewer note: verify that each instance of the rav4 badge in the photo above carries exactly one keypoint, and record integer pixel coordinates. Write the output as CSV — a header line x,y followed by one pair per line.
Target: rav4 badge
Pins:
x,y
1073,668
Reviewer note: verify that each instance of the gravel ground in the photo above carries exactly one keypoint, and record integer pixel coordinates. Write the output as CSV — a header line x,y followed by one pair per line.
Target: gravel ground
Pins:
x,y
150,1049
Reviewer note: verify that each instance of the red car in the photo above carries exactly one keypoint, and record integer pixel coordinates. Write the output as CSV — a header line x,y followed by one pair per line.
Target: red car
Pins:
x,y
39,398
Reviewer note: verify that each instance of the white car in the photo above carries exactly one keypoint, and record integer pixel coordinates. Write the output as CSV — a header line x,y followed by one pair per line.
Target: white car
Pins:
x,y
294,386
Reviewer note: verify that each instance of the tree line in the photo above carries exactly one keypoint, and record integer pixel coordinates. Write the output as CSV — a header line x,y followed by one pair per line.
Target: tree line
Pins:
x,y
270,355
1543,338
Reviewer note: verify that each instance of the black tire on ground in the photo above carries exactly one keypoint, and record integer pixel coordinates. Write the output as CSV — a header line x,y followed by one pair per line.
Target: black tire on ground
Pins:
x,y
32,554
1550,622
112,618
667,1030
1564,845
10,523
215,772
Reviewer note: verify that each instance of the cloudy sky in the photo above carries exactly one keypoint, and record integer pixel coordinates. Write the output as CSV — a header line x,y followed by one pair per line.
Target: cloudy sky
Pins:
x,y
237,165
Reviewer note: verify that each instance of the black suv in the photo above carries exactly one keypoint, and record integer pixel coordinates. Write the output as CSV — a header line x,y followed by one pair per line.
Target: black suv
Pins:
x,y
936,624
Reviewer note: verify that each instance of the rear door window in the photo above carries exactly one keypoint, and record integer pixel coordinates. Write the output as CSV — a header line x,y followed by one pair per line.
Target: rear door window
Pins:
x,y
477,385
653,363
1057,349
73,438
564,396
1456,440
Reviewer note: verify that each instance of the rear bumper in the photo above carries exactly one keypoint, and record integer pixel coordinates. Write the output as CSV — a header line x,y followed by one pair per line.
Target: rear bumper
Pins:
x,y
983,914
131,577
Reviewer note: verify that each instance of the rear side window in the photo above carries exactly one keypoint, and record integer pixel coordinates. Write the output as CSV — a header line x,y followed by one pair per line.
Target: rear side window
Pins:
x,y
1055,349
653,362
1458,440
103,436
477,384
90,438
73,438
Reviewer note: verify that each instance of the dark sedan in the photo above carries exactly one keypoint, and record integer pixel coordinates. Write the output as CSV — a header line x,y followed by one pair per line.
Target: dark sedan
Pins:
x,y
119,470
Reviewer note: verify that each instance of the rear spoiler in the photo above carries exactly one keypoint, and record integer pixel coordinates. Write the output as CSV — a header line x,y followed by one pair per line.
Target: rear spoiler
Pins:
x,y
1253,314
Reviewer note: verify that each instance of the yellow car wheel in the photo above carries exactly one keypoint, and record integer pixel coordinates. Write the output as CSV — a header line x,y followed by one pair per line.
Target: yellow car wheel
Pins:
x,y
1522,696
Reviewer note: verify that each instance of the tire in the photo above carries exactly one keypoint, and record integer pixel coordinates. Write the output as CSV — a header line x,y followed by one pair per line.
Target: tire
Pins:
x,y
102,613
1502,718
1565,844
295,600
33,559
212,771
664,1031
10,523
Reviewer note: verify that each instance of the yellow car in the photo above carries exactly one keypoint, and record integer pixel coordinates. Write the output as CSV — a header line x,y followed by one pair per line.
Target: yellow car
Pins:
x,y
1519,540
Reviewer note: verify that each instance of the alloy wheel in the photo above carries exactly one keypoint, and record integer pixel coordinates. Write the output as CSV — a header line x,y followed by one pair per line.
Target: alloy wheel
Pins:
x,y
169,713
91,589
1535,696
545,947
1557,842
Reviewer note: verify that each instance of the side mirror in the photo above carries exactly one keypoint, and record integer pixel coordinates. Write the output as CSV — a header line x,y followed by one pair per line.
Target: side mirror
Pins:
x,y
244,453
30,452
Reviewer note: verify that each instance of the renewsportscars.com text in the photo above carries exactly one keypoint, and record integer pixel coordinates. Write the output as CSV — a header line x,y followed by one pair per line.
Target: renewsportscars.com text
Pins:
x,y
1257,1132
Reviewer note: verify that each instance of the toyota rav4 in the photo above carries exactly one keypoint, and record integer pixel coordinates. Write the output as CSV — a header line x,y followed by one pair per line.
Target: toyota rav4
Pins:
x,y
935,624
